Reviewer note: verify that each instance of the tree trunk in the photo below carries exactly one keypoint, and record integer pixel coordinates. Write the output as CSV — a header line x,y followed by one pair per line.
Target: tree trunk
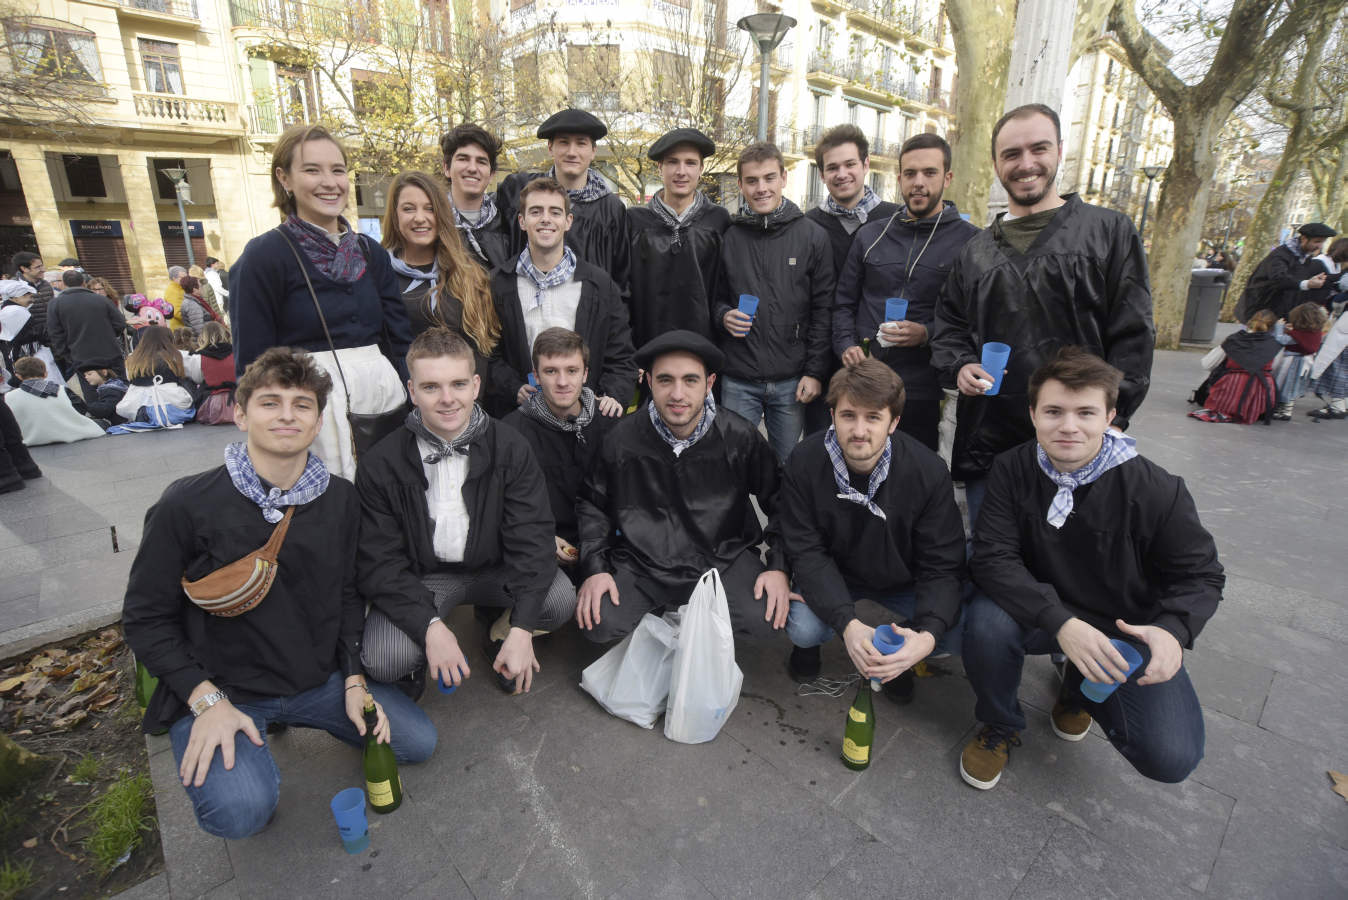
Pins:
x,y
17,765
982,31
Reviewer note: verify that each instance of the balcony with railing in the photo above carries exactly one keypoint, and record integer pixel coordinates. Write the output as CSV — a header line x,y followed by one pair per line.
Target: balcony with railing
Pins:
x,y
357,21
173,110
821,64
159,9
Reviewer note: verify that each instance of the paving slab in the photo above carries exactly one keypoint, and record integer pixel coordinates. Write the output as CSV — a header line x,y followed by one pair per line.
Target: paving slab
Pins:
x,y
1076,863
1268,857
1296,709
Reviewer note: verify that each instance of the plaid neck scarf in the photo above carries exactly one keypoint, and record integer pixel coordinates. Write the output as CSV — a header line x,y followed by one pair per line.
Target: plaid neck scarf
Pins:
x,y
343,262
673,222
560,274
1115,450
843,481
869,201
477,423
747,216
469,226
677,444
595,187
41,387
313,481
537,408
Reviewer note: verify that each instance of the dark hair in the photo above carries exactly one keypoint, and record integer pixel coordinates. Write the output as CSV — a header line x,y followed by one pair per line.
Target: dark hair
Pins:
x,y
547,185
869,383
440,341
560,342
73,278
1077,370
836,137
1308,317
154,346
1338,250
185,339
926,141
759,151
191,284
27,367
1024,112
23,259
284,156
285,367
470,133
210,261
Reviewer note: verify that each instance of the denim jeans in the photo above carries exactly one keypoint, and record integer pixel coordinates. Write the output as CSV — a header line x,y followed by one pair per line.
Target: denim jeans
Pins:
x,y
805,629
238,802
1157,727
772,401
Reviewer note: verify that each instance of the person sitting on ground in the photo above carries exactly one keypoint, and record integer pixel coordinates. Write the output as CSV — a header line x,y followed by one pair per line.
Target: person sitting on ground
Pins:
x,y
16,463
294,656
196,312
215,363
43,410
454,511
1240,388
868,511
109,388
1078,541
1291,372
668,498
155,372
1329,373
561,425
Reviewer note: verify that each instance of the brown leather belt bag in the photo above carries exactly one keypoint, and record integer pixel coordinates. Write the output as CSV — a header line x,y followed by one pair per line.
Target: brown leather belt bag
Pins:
x,y
234,589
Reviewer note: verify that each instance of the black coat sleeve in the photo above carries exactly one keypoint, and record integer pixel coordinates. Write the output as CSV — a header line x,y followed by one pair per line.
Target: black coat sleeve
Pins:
x,y
620,368
1183,558
384,559
592,516
527,529
259,283
56,333
846,298
353,605
397,332
952,343
1129,335
823,281
938,559
620,269
764,480
816,575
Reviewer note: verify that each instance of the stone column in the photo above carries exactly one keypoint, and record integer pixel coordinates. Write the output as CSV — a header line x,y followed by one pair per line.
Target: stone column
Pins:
x,y
144,248
54,240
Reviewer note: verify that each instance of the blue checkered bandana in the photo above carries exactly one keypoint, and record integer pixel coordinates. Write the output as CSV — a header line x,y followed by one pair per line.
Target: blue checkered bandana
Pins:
x,y
595,187
313,481
869,201
844,483
678,445
1115,450
560,274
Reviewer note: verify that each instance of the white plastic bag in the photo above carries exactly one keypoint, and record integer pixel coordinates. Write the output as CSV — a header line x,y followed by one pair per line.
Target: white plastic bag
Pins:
x,y
705,685
632,680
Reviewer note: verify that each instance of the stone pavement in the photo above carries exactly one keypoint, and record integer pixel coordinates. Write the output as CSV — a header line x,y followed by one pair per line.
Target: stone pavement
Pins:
x,y
547,796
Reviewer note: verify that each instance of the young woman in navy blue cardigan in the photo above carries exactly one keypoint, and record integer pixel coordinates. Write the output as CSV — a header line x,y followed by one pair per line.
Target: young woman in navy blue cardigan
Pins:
x,y
271,306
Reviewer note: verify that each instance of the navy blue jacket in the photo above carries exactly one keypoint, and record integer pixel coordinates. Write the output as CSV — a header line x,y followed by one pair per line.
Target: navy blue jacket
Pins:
x,y
269,304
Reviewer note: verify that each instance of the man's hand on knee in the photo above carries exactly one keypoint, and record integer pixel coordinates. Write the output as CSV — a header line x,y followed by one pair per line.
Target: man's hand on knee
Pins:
x,y
1166,653
444,656
591,596
214,728
773,588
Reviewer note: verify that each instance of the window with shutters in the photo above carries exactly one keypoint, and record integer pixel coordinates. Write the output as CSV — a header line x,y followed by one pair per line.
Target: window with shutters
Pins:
x,y
295,91
163,68
51,48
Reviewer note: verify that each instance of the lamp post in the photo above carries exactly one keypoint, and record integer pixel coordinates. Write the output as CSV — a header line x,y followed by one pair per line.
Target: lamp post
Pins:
x,y
1151,172
184,192
767,30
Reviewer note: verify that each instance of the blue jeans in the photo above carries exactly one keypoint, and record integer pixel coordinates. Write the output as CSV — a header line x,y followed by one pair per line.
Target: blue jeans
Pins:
x,y
238,802
1157,727
805,629
773,401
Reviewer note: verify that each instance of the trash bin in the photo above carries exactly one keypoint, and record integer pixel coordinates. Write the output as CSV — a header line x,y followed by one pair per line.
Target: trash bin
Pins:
x,y
1206,289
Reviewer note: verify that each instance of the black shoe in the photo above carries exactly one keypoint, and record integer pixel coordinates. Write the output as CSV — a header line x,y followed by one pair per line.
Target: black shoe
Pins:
x,y
28,470
803,664
1281,417
1327,413
900,690
12,483
413,685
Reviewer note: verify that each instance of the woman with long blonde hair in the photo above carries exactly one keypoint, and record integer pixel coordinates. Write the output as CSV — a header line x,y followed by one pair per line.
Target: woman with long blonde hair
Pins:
x,y
441,283
155,373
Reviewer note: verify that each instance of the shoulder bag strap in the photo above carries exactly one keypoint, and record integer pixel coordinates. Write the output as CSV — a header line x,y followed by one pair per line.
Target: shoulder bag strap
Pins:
x,y
322,320
272,548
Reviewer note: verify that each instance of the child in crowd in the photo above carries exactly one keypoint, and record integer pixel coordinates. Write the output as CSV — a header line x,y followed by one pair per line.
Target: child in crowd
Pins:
x,y
155,371
1330,373
109,389
44,413
1292,370
1240,388
214,364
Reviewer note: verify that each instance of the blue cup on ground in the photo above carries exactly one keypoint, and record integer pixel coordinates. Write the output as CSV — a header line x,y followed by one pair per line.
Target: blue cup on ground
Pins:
x,y
348,808
1099,692
749,305
896,309
995,357
887,641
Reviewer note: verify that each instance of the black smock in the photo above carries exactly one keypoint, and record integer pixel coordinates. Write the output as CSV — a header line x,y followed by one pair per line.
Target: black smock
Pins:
x,y
564,457
675,277
1275,284
598,232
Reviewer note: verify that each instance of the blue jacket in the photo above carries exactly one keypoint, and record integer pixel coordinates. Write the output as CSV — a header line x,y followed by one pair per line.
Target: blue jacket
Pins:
x,y
269,304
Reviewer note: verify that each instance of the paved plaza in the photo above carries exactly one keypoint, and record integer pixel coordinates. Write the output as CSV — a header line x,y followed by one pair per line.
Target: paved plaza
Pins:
x,y
545,795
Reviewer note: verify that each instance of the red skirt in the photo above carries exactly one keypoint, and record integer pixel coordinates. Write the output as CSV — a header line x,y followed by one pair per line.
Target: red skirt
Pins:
x,y
1244,397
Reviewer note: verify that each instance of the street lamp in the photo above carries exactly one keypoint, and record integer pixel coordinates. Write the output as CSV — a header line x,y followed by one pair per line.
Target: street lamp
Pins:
x,y
184,192
767,30
1151,172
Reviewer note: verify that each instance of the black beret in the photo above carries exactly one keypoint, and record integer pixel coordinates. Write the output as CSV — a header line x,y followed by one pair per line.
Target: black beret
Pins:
x,y
672,139
69,261
681,341
572,121
1317,229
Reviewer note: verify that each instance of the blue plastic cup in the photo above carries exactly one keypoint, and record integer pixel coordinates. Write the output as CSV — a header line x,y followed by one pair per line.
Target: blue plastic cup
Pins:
x,y
1100,691
896,309
446,687
995,357
887,641
348,808
533,379
749,305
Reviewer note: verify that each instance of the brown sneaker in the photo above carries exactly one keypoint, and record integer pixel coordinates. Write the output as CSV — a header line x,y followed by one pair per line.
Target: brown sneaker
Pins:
x,y
986,755
1071,723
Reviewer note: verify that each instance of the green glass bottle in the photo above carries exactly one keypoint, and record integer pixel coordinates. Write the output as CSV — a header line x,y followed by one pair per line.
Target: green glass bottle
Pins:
x,y
145,685
860,731
382,784
865,346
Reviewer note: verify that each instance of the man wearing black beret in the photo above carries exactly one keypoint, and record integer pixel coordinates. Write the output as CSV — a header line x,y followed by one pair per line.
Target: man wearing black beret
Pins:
x,y
1277,283
676,243
599,234
667,498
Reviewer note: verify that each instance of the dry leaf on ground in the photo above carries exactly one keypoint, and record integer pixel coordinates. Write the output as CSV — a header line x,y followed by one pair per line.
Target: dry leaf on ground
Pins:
x,y
1340,783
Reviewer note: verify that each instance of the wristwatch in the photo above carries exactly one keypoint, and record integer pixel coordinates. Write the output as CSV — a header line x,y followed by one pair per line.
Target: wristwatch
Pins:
x,y
206,701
